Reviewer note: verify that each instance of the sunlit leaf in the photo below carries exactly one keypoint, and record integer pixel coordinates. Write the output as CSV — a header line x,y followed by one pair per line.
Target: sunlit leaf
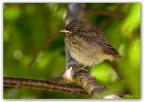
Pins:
x,y
11,14
6,36
132,21
103,72
134,53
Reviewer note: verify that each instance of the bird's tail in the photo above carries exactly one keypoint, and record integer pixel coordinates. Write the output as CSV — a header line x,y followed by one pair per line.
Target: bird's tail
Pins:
x,y
117,57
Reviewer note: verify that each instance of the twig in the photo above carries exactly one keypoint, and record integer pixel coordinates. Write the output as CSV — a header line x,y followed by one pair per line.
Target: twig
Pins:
x,y
42,48
106,13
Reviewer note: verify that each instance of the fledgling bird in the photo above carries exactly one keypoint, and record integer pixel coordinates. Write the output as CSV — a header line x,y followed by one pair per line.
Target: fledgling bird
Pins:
x,y
87,44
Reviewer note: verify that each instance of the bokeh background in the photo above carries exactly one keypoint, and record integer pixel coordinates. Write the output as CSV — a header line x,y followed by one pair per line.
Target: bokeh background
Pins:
x,y
33,29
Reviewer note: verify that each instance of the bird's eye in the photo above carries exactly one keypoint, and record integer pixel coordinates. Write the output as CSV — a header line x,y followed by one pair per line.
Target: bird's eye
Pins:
x,y
73,30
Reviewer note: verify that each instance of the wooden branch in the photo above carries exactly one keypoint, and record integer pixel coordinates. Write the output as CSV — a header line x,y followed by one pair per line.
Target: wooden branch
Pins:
x,y
41,84
88,84
77,75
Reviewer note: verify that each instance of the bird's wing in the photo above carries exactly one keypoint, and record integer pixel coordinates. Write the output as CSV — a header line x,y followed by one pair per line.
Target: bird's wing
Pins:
x,y
99,38
106,45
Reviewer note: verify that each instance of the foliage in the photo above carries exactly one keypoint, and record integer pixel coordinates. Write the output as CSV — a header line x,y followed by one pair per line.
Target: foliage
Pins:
x,y
27,28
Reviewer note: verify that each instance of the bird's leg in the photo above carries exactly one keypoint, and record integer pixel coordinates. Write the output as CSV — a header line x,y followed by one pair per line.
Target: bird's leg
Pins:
x,y
91,69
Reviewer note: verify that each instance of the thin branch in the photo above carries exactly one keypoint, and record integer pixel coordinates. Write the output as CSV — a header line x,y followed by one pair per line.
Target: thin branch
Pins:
x,y
106,13
42,48
41,84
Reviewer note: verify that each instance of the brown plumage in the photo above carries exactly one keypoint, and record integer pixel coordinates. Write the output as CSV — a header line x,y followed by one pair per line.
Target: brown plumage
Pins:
x,y
87,44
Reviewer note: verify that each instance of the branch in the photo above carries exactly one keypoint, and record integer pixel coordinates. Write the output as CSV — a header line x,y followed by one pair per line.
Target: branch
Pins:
x,y
49,40
88,83
41,84
80,76
106,13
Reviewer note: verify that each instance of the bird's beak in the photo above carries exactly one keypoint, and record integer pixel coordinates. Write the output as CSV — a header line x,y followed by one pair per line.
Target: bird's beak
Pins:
x,y
65,31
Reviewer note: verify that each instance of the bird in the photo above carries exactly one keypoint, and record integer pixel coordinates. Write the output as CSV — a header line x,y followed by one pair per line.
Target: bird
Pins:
x,y
87,44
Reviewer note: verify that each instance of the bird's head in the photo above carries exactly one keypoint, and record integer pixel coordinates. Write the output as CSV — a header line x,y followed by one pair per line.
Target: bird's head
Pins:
x,y
76,26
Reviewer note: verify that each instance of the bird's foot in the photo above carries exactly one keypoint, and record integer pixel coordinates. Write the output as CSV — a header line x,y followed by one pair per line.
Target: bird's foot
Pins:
x,y
91,70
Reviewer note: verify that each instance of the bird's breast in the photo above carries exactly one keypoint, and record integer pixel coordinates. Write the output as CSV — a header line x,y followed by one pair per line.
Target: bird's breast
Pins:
x,y
84,52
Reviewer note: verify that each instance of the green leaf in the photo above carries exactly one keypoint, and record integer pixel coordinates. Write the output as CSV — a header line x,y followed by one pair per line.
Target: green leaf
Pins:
x,y
132,21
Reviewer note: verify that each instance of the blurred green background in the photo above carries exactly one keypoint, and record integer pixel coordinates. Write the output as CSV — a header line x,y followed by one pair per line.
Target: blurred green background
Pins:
x,y
30,27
